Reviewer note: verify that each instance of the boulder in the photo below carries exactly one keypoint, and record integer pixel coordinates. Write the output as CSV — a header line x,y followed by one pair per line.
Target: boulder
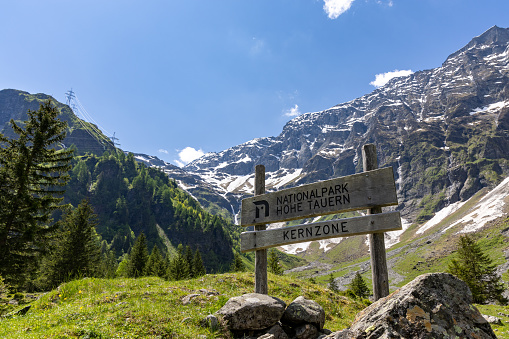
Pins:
x,y
304,311
252,311
435,305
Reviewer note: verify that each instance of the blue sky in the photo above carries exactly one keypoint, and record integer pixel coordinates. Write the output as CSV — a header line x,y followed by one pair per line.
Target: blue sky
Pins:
x,y
177,78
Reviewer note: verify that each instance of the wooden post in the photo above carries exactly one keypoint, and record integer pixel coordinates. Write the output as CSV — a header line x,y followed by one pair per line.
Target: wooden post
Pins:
x,y
261,283
379,272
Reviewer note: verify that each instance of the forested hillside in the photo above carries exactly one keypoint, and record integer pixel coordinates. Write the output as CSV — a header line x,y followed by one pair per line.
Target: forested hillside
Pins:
x,y
130,198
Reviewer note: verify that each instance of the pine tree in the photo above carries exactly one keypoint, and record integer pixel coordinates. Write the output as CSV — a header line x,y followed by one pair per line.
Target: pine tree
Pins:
x,y
477,270
359,287
237,264
178,269
188,256
77,251
273,263
33,174
199,269
156,266
332,284
138,257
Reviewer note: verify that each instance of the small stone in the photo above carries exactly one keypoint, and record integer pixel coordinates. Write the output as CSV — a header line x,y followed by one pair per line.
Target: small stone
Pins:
x,y
492,319
211,322
187,299
306,331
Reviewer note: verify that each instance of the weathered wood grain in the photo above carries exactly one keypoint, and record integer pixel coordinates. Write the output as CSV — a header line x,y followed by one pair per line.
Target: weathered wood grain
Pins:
x,y
353,192
385,222
379,272
261,281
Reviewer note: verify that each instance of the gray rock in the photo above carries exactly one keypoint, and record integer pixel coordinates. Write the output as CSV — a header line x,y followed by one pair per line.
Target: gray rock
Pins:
x,y
435,305
278,332
492,319
252,311
306,331
211,322
188,298
303,311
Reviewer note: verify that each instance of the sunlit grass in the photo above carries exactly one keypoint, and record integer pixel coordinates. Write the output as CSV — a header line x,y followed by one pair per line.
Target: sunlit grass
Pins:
x,y
153,308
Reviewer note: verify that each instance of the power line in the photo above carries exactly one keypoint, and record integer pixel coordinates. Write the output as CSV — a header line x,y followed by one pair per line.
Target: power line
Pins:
x,y
87,122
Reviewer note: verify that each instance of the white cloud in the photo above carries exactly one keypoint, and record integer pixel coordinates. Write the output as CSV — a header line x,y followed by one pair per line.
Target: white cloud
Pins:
x,y
187,155
163,151
383,78
335,8
292,112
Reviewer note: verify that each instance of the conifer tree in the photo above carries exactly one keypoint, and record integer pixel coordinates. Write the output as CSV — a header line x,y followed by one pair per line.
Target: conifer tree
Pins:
x,y
359,287
156,266
188,256
477,270
273,263
33,174
77,251
332,284
198,268
237,264
138,257
179,268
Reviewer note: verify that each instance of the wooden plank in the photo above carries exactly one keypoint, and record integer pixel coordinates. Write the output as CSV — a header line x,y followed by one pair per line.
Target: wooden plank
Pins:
x,y
379,272
353,192
261,281
383,222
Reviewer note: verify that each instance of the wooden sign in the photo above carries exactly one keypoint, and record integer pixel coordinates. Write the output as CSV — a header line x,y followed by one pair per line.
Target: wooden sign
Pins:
x,y
353,192
384,222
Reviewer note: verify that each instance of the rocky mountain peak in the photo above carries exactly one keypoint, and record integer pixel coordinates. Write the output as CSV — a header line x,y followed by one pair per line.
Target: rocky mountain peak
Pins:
x,y
445,132
494,39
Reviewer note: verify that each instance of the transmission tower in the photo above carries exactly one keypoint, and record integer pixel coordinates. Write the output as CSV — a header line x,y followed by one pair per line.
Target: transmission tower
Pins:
x,y
113,138
70,98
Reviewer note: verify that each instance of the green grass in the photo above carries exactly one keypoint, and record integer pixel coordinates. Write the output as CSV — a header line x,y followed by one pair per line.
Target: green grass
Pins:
x,y
153,308
502,312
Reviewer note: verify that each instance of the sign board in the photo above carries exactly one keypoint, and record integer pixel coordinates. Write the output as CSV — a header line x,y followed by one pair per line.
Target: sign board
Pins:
x,y
384,222
359,191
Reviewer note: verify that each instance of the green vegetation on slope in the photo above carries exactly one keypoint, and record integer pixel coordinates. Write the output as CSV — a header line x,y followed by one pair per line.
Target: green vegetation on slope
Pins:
x,y
153,308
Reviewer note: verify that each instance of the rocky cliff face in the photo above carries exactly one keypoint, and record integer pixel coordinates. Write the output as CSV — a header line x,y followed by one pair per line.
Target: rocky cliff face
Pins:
x,y
445,131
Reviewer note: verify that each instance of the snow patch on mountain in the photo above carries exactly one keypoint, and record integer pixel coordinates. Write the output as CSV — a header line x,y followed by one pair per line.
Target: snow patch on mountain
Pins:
x,y
489,208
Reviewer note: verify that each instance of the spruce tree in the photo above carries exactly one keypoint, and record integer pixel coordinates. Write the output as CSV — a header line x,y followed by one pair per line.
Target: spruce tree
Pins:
x,y
179,268
199,269
477,270
332,284
138,257
237,264
77,250
273,263
156,266
188,256
359,287
33,175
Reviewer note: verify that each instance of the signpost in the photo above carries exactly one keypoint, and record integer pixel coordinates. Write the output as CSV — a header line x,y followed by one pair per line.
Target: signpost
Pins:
x,y
372,190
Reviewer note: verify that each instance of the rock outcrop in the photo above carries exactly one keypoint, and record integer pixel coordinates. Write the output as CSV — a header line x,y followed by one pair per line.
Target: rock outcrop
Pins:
x,y
435,305
260,316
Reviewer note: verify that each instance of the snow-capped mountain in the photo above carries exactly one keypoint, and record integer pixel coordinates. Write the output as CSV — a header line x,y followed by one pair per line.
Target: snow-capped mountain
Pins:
x,y
445,131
